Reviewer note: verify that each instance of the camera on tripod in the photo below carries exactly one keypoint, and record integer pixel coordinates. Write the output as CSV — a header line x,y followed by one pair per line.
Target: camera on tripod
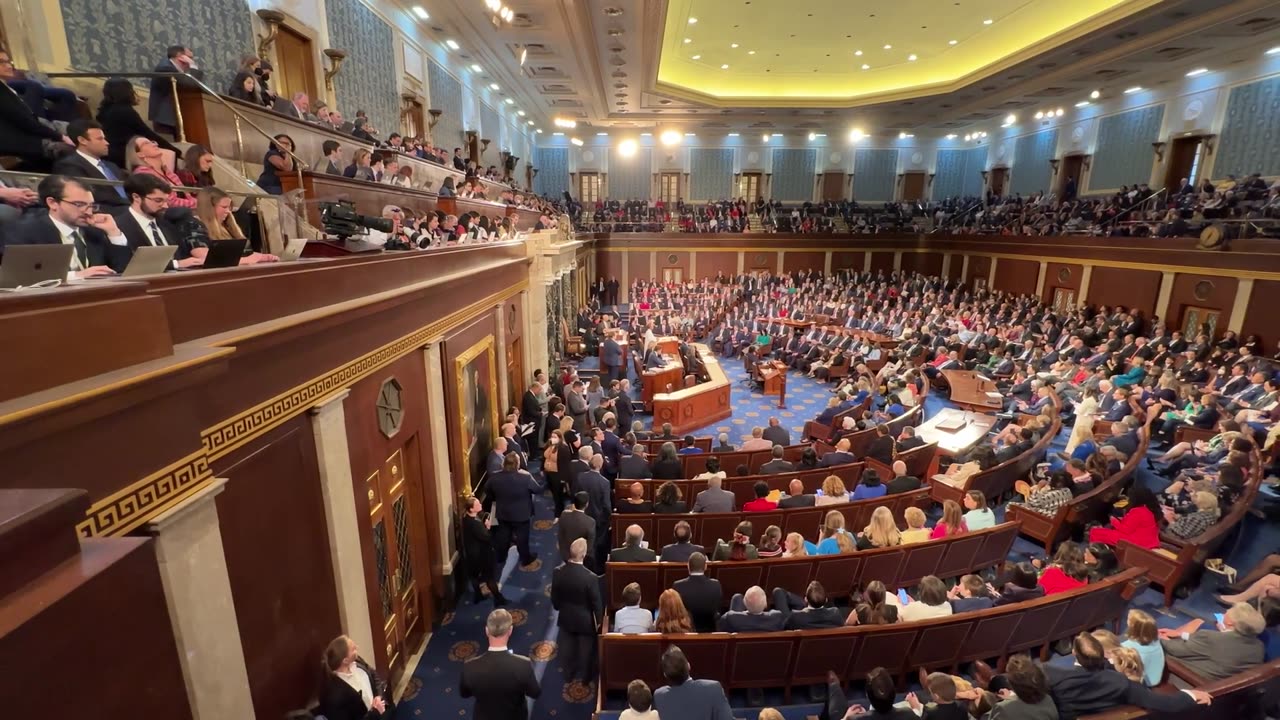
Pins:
x,y
341,220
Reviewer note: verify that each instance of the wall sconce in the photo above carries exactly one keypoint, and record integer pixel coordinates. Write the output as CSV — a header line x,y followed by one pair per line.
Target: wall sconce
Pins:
x,y
533,171
435,118
1054,162
984,175
272,19
1209,141
931,176
1158,147
1087,163
336,57
484,145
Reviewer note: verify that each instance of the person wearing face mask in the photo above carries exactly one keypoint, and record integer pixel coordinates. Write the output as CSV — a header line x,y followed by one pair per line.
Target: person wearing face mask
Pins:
x,y
352,690
556,457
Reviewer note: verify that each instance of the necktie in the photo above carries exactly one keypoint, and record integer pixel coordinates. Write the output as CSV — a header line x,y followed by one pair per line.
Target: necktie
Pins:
x,y
157,238
106,173
82,250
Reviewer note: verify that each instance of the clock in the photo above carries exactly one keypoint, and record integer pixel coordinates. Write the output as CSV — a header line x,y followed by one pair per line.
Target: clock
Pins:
x,y
390,408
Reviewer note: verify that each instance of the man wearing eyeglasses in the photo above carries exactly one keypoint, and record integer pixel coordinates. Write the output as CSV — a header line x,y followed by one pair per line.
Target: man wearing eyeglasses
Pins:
x,y
73,219
143,221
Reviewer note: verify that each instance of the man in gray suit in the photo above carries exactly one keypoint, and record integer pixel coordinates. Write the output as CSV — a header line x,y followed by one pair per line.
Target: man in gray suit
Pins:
x,y
750,612
777,434
714,499
777,464
684,698
578,406
1217,654
576,523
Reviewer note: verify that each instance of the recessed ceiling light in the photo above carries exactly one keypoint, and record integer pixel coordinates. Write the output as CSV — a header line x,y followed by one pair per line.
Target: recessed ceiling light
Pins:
x,y
520,113
866,66
733,45
777,134
691,134
905,135
724,67
1059,112
693,21
888,47
1011,119
697,57
1039,114
1083,103
911,57
669,137
967,138
510,101
1197,71
476,68
751,52
1274,51
688,40
453,45
765,137
539,131
421,12
531,122
988,21
576,141
858,53
951,136
812,137
733,134
1095,95
627,147
493,86
856,134
952,42
1134,89
557,134
646,134
602,134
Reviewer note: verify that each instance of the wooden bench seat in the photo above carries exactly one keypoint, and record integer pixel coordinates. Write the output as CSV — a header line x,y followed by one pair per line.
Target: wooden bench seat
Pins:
x,y
743,488
1245,695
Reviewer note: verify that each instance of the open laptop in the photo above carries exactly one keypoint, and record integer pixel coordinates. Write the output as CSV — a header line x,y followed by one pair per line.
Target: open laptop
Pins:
x,y
224,253
293,250
149,260
27,265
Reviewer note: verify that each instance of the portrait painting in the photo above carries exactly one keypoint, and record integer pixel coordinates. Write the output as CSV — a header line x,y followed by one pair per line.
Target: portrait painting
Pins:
x,y
477,411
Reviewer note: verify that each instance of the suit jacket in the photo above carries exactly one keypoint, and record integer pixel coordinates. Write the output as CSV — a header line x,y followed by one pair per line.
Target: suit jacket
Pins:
x,y
20,131
575,524
702,597
1216,655
713,500
612,355
577,406
836,457
160,103
1077,691
38,229
512,494
906,483
776,466
530,408
477,544
680,552
500,682
139,236
628,553
777,435
743,621
600,495
575,469
493,463
668,470
575,592
795,501
692,700
121,123
633,467
74,165
1015,709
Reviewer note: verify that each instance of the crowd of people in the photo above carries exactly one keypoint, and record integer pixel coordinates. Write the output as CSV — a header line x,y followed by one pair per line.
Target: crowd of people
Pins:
x,y
734,216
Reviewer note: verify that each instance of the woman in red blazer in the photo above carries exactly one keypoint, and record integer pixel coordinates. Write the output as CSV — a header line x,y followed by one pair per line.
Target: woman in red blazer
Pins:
x,y
1140,525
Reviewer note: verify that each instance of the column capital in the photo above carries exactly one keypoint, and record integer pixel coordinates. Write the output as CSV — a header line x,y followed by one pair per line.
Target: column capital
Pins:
x,y
183,510
327,401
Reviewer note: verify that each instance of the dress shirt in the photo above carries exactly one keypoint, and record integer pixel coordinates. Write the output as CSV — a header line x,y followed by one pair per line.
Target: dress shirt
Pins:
x,y
107,173
359,681
632,620
67,233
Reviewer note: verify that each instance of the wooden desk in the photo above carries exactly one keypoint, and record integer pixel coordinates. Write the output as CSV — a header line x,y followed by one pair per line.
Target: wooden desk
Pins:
x,y
969,389
691,408
657,380
775,377
668,345
955,442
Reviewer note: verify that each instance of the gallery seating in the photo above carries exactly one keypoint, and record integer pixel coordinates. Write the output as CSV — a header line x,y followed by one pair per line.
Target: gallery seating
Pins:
x,y
1244,695
743,488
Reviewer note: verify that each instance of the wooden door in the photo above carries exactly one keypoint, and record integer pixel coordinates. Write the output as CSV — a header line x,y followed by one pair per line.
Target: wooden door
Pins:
x,y
589,187
669,188
412,118
295,66
1196,320
913,186
998,178
400,593
1072,170
833,186
1064,300
749,186
1183,157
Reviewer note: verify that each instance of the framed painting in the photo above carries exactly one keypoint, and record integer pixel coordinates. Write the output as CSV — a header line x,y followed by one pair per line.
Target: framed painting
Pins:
x,y
477,409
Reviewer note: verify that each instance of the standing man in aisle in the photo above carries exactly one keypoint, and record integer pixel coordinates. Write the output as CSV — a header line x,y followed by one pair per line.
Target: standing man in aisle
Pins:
x,y
499,680
513,491
575,594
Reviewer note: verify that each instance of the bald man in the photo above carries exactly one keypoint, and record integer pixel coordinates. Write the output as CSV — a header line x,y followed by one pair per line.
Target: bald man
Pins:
x,y
575,593
901,482
796,496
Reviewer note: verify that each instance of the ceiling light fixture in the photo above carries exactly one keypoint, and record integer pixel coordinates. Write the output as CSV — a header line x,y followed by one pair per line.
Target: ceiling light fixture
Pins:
x,y
539,131
905,135
953,42
967,138
493,86
888,47
565,123
777,134
951,136
1039,114
1010,119
531,122
1095,95
733,134
1083,103
866,66
576,141
453,44
697,57
688,40
557,134
476,68
856,134
646,134
421,12
988,21
1197,71
751,52
520,113
509,101
733,45
724,67
982,134
812,137
1134,89
911,57
1274,51
602,134
691,134
765,137
627,148
857,53
524,55
1059,112
693,21
670,137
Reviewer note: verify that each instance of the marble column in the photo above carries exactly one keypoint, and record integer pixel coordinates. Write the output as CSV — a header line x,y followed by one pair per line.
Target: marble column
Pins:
x,y
826,263
653,265
500,359
1085,277
1044,268
446,496
781,255
946,264
1163,296
991,276
964,268
866,261
624,292
897,259
693,265
197,589
1244,290
329,427
742,262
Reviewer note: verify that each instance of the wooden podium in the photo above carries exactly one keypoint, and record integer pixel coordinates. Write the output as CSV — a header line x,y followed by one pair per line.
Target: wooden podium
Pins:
x,y
774,374
698,406
656,380
969,389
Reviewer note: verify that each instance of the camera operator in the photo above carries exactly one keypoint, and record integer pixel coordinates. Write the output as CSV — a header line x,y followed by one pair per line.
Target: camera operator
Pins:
x,y
403,236
478,547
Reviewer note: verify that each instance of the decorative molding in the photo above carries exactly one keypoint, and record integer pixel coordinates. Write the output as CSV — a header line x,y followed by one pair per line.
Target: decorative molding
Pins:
x,y
126,509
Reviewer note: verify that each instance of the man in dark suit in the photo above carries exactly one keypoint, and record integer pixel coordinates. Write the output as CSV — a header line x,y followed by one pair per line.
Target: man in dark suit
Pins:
x,y
777,434
814,611
513,491
901,482
611,447
575,593
600,494
493,463
161,104
623,409
578,466
89,161
298,109
499,680
70,220
477,546
723,444
21,132
332,161
701,595
576,523
633,550
458,162
684,698
796,497
777,464
749,612
907,439
611,358
1123,438
634,466
1025,442
530,406
143,224
839,456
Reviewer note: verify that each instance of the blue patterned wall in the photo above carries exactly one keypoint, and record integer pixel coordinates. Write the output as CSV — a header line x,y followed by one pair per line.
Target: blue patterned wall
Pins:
x,y
131,35
629,178
1250,140
793,174
1031,171
1123,155
711,174
446,95
553,171
875,171
368,82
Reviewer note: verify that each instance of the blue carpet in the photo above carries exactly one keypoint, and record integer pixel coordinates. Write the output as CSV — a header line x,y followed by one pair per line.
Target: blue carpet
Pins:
x,y
433,689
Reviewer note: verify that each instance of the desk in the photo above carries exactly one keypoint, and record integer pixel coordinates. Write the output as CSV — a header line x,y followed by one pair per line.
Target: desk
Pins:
x,y
774,374
691,408
969,390
669,345
656,380
955,442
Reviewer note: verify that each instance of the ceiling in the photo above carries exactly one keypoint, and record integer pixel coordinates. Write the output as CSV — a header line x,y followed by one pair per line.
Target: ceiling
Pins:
x,y
613,63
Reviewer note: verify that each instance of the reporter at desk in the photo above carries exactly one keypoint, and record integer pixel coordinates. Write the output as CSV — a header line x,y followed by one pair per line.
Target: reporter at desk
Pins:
x,y
71,218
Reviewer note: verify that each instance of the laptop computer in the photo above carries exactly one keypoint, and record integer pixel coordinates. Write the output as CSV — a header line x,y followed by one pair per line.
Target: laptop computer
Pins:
x,y
224,253
293,250
26,265
149,260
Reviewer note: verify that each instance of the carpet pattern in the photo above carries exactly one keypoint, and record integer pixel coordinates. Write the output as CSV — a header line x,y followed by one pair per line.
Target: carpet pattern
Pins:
x,y
433,689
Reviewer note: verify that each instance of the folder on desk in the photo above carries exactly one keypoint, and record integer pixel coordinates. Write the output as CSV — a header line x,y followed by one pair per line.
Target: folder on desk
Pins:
x,y
952,424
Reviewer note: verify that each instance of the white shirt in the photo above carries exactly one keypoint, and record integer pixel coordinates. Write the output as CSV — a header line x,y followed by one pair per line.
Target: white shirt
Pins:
x,y
66,231
358,679
93,160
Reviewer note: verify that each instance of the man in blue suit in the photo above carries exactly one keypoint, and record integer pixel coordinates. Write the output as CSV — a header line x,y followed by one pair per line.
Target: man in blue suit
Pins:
x,y
684,698
611,359
513,491
493,463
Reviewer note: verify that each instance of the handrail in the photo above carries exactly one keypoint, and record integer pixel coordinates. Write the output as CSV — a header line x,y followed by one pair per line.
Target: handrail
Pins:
x,y
120,183
1132,207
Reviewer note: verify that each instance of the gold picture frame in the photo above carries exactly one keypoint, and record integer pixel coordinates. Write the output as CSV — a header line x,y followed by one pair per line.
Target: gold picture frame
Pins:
x,y
474,438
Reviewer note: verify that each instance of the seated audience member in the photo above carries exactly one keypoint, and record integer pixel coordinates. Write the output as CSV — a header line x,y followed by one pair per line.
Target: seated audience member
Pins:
x,y
952,522
146,157
881,696
1028,696
1142,635
244,86
1127,662
873,607
808,459
907,439
99,243
839,456
89,161
770,543
1026,440
352,690
809,612
1057,494
667,466
1100,561
761,503
197,167
684,698
749,612
971,593
1139,525
713,499
631,619
739,548
121,123
796,496
1192,524
667,499
757,441
1215,654
278,161
901,482
869,486
980,458
916,530
673,617
1021,584
634,550
833,492
1066,572
835,539
330,158
690,446
639,702
713,470
213,210
977,516
777,464
22,134
361,167
881,532
881,448
700,594
635,502
144,224
930,601
682,549
634,466
723,444
942,693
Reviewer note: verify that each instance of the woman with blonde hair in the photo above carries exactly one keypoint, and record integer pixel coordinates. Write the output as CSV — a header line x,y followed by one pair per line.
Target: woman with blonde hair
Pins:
x,y
1192,524
673,617
916,531
835,539
881,532
795,546
145,157
833,492
1142,635
213,210
1128,663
